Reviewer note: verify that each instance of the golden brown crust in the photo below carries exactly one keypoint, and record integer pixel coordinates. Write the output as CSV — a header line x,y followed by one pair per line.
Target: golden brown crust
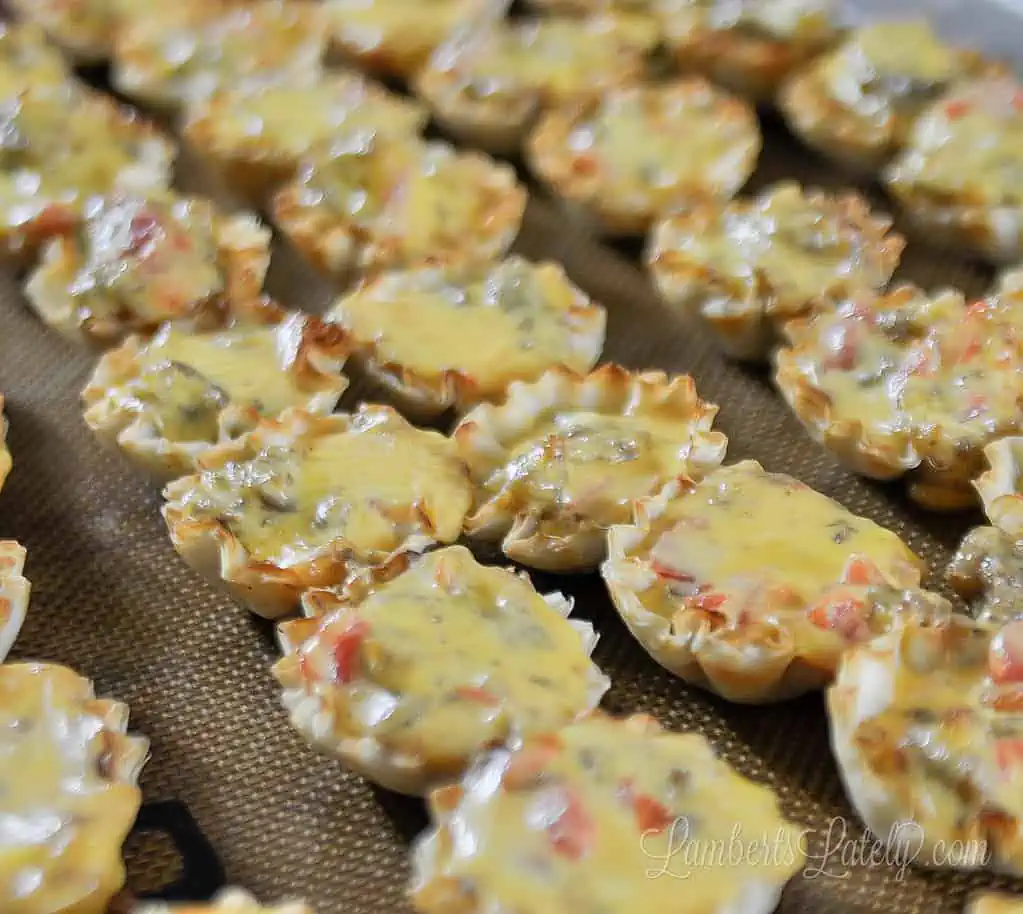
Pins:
x,y
596,179
313,353
271,588
747,308
1000,487
425,395
14,594
933,424
540,528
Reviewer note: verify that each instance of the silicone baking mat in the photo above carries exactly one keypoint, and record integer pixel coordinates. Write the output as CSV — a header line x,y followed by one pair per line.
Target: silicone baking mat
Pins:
x,y
232,794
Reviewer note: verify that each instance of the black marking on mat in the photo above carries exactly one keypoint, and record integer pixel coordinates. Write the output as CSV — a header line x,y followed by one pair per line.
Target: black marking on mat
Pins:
x,y
202,872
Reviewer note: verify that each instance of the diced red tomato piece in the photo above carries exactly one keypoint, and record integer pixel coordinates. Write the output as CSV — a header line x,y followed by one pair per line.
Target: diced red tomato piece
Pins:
x,y
651,814
860,572
957,108
663,571
844,616
1009,753
143,227
1005,657
708,602
971,351
347,651
584,165
980,306
527,763
1017,101
1010,701
476,694
572,834
53,220
845,355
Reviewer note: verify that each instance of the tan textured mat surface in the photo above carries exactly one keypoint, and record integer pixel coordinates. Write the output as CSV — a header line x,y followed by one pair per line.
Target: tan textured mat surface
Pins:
x,y
111,598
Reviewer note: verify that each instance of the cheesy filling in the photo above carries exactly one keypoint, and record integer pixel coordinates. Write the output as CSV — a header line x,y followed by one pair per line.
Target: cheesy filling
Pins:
x,y
968,148
511,321
891,67
286,120
63,816
186,380
906,364
796,21
448,658
368,487
187,57
155,259
727,549
27,60
415,202
61,148
582,820
593,464
694,139
783,247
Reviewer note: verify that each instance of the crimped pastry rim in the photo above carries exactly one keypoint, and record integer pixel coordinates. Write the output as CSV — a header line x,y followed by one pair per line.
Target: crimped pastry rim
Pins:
x,y
370,757
755,314
318,358
487,434
210,548
333,245
624,581
15,590
550,158
999,486
241,249
758,897
847,707
883,456
428,395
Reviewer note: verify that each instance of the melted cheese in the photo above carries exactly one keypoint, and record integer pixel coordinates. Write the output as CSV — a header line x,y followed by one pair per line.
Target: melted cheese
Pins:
x,y
63,815
61,147
783,246
593,464
287,120
26,60
594,820
511,321
155,259
759,542
557,59
185,56
694,139
368,487
967,148
907,364
462,657
798,21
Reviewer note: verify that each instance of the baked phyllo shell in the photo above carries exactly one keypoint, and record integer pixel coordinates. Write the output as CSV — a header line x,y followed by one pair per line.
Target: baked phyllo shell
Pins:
x,y
952,180
747,305
337,666
752,57
165,249
915,339
995,903
69,761
857,104
589,807
1001,486
545,527
227,44
78,144
395,39
255,163
407,223
269,582
487,85
774,624
925,727
227,901
494,324
987,571
618,159
308,352
6,462
14,593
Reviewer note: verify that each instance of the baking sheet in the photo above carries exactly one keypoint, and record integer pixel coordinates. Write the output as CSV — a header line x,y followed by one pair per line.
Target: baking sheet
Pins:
x,y
231,792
